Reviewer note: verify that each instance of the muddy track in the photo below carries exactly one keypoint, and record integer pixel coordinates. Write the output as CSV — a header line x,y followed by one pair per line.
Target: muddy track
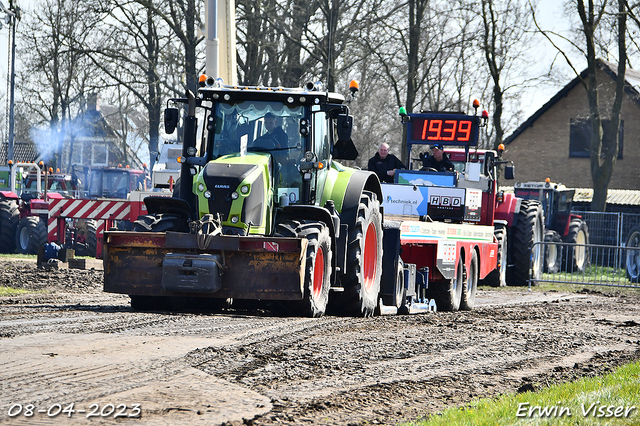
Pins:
x,y
72,343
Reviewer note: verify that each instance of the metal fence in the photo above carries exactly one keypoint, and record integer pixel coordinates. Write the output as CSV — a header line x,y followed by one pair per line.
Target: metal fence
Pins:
x,y
609,228
604,265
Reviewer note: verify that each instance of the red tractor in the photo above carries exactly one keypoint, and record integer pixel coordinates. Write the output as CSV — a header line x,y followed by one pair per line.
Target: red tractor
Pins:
x,y
568,231
518,223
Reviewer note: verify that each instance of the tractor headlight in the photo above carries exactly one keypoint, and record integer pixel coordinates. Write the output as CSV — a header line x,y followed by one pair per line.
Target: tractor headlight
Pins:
x,y
234,195
234,219
207,194
244,189
200,187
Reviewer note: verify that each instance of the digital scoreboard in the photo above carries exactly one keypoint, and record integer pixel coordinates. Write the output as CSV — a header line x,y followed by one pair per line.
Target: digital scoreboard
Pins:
x,y
446,129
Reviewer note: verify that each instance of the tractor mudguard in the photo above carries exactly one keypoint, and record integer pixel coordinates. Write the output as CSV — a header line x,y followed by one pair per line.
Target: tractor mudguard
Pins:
x,y
8,195
508,210
168,205
360,181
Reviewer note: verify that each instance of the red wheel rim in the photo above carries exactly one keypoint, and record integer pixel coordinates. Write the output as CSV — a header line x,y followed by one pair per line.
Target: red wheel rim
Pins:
x,y
318,273
370,256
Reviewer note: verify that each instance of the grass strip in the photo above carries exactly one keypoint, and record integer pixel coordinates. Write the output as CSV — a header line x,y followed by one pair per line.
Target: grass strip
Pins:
x,y
10,291
612,399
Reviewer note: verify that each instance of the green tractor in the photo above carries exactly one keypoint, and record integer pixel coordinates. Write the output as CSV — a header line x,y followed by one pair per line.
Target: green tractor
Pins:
x,y
262,210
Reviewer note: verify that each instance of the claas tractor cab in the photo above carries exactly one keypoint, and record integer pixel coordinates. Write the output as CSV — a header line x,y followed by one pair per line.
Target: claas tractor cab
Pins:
x,y
262,210
566,234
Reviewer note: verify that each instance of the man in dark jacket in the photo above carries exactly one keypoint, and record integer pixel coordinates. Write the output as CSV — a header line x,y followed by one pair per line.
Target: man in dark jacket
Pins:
x,y
385,164
438,160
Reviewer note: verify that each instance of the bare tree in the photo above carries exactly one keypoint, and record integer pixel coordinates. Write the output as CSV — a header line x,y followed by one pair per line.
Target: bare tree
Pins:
x,y
506,34
603,151
59,75
127,49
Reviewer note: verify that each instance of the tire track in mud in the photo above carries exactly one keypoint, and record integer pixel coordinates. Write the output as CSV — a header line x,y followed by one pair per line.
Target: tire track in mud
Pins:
x,y
302,371
77,344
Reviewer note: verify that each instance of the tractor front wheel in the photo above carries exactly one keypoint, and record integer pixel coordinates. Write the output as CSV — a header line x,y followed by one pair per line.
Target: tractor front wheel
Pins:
x,y
576,256
552,252
31,235
526,255
86,238
9,217
632,262
317,276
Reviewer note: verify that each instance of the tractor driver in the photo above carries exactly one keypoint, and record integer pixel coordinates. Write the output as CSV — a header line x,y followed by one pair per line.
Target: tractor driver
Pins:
x,y
438,160
275,136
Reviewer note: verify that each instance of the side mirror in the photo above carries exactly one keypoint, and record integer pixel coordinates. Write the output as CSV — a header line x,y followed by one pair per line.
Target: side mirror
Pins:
x,y
171,120
345,150
489,163
344,124
509,172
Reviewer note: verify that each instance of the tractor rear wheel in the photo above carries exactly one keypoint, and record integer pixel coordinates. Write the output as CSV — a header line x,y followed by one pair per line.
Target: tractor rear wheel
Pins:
x,y
498,277
470,286
525,254
317,276
632,263
86,238
552,252
31,235
448,293
9,217
576,256
364,261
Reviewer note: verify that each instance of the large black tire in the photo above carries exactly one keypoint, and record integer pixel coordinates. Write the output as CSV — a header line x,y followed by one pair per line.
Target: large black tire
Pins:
x,y
87,238
526,257
632,261
498,277
576,258
448,293
160,223
552,252
470,287
317,277
31,235
9,217
361,281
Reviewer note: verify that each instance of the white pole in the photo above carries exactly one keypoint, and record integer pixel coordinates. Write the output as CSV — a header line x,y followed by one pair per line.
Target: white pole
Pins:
x,y
212,45
220,43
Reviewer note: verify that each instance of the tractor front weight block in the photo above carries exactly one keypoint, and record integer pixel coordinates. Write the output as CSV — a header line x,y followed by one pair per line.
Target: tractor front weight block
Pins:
x,y
171,264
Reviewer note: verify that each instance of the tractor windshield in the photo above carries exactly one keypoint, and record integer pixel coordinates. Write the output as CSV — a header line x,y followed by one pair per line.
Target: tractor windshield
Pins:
x,y
256,126
262,126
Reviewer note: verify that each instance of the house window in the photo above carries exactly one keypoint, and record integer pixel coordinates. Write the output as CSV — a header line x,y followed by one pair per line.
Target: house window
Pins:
x,y
99,154
76,153
580,137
